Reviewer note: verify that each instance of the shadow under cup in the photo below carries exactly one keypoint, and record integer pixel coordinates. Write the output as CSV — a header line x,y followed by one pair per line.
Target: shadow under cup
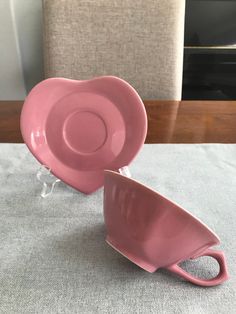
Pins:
x,y
153,232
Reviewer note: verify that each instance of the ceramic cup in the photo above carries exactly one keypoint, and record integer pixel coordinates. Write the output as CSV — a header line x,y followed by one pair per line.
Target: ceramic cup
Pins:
x,y
153,232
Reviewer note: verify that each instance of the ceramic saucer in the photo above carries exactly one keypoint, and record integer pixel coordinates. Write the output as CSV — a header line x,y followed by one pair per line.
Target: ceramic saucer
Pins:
x,y
79,128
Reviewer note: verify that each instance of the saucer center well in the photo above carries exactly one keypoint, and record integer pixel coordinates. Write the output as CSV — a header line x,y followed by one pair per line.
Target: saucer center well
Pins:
x,y
84,132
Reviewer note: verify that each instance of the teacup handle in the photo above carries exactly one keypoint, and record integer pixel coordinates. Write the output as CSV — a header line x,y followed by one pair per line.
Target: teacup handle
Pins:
x,y
221,277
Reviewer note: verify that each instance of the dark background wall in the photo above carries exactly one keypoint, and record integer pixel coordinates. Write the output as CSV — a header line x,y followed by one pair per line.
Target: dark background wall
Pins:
x,y
210,50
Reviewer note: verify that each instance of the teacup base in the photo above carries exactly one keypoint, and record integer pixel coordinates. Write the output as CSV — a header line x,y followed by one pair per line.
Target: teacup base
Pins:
x,y
136,260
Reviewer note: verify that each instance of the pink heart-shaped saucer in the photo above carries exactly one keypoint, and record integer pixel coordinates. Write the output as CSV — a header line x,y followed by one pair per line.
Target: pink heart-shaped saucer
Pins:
x,y
79,128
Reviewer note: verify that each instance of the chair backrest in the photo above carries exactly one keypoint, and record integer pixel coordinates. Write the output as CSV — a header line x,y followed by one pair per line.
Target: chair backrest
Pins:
x,y
140,41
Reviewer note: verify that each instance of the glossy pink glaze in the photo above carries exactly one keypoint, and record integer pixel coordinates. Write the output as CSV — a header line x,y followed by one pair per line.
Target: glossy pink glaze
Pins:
x,y
79,128
153,232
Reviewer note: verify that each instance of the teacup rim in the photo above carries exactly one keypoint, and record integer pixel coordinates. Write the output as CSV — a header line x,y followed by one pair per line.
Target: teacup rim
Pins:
x,y
198,220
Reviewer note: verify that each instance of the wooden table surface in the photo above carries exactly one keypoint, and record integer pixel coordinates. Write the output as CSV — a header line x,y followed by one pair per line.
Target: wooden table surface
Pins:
x,y
168,121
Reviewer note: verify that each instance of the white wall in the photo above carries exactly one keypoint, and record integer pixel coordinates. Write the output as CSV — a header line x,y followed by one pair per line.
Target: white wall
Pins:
x,y
21,62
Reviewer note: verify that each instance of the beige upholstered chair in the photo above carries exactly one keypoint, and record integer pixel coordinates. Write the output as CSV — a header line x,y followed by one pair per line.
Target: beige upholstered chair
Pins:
x,y
140,41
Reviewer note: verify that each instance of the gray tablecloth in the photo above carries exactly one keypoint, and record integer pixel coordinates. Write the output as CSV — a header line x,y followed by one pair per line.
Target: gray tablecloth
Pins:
x,y
53,258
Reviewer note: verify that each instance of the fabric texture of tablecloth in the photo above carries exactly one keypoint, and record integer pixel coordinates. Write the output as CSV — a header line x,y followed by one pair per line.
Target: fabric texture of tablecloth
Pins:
x,y
53,257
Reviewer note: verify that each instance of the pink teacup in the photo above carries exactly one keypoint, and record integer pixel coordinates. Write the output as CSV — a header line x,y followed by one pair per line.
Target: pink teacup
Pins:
x,y
153,232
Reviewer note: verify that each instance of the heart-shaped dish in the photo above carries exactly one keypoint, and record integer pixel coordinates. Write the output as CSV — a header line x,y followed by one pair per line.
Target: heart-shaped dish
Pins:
x,y
79,128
